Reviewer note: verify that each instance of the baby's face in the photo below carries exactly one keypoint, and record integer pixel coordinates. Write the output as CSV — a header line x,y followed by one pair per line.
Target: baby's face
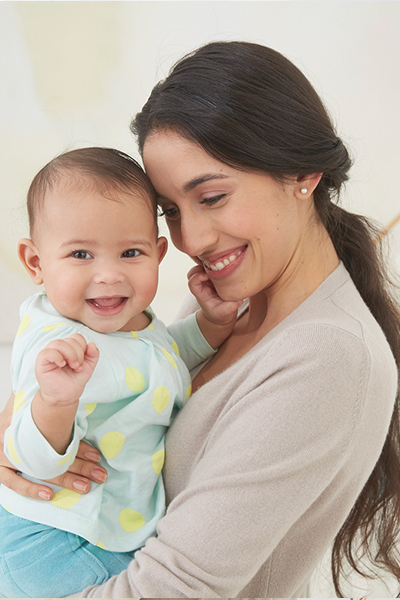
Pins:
x,y
99,258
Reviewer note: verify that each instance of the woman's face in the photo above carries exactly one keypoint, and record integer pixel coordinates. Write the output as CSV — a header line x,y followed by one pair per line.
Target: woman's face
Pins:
x,y
247,230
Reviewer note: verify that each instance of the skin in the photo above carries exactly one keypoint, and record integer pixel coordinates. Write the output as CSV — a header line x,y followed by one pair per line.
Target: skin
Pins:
x,y
214,211
277,250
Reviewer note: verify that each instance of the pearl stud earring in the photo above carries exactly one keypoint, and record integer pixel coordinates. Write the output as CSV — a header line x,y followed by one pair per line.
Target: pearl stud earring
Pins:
x,y
304,190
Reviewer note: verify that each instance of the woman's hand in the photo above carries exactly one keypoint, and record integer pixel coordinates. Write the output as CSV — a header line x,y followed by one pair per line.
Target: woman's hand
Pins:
x,y
83,470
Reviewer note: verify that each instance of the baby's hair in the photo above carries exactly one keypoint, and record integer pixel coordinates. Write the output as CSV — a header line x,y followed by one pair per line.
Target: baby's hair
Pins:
x,y
105,169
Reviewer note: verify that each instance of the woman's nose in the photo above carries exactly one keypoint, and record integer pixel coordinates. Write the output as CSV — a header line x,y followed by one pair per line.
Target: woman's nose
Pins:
x,y
196,235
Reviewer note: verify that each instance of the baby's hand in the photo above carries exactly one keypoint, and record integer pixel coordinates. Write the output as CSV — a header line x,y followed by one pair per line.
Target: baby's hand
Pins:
x,y
63,369
216,310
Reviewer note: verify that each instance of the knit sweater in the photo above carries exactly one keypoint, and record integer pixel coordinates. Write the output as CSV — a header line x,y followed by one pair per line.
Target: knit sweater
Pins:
x,y
266,460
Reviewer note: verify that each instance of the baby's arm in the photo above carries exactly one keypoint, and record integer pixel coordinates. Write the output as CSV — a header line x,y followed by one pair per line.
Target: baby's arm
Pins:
x,y
216,317
62,370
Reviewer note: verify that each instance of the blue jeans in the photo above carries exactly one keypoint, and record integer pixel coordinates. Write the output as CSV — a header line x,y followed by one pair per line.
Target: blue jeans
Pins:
x,y
41,561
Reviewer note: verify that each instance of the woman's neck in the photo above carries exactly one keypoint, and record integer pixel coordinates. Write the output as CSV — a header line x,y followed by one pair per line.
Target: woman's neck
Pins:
x,y
308,268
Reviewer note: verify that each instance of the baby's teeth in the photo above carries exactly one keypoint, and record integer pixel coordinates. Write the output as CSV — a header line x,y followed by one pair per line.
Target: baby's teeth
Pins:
x,y
227,262
219,266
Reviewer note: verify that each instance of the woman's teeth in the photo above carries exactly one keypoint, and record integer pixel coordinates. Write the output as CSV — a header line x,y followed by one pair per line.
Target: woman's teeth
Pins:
x,y
222,264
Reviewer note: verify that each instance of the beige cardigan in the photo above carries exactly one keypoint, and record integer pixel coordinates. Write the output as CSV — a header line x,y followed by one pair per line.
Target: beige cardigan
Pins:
x,y
267,459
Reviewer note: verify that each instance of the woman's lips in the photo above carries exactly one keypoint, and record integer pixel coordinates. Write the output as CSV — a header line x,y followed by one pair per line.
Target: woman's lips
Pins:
x,y
224,265
107,306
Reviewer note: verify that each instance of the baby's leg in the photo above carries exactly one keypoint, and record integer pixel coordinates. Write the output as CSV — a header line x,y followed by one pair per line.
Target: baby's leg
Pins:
x,y
41,561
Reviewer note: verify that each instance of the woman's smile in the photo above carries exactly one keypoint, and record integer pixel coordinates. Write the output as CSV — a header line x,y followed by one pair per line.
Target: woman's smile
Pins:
x,y
223,265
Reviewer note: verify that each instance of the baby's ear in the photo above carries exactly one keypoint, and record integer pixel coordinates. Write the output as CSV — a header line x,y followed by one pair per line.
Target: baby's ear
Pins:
x,y
162,246
29,257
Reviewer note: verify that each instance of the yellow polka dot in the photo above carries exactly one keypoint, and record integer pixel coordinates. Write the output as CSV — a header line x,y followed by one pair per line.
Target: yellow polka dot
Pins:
x,y
157,460
189,392
90,407
65,499
100,545
7,509
175,348
111,444
151,326
11,450
168,356
134,379
134,334
65,459
50,328
161,398
23,325
131,520
19,400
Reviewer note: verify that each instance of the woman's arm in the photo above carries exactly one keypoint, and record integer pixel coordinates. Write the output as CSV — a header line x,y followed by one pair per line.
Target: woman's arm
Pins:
x,y
270,468
83,470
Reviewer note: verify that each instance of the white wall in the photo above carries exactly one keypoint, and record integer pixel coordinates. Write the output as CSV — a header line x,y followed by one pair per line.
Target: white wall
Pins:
x,y
74,73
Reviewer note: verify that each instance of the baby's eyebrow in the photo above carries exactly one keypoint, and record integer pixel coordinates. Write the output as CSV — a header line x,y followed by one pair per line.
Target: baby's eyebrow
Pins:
x,y
140,242
125,243
79,243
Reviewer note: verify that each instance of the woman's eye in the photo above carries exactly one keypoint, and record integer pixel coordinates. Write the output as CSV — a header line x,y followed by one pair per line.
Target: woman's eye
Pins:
x,y
168,213
81,254
131,253
212,200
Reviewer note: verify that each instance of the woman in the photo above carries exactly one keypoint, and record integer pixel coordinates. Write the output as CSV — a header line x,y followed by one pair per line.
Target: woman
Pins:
x,y
291,439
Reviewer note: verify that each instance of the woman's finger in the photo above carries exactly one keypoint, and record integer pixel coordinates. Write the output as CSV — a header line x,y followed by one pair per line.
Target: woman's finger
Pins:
x,y
18,484
88,452
79,475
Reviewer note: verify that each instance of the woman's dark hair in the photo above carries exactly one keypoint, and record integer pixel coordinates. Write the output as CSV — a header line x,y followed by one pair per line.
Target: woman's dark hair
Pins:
x,y
251,108
105,169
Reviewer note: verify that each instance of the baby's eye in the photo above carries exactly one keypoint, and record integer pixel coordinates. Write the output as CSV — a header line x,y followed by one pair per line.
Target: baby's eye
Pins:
x,y
81,254
131,253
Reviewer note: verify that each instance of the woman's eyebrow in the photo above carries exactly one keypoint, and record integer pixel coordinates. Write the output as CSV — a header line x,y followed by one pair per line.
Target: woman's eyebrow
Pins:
x,y
195,182
207,177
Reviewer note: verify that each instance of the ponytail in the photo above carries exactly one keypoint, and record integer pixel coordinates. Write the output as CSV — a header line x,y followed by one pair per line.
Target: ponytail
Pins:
x,y
373,525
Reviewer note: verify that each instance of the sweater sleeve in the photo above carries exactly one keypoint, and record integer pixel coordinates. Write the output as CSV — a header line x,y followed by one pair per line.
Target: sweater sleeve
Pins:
x,y
273,450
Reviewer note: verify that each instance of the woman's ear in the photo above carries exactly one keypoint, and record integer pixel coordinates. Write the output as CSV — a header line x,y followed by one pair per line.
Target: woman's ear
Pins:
x,y
162,246
307,184
29,257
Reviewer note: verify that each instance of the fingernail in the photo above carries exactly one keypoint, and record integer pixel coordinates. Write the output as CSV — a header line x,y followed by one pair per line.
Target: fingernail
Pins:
x,y
80,485
93,456
99,475
44,495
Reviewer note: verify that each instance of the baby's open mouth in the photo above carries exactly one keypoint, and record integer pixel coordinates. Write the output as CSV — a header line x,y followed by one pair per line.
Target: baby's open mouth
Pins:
x,y
107,303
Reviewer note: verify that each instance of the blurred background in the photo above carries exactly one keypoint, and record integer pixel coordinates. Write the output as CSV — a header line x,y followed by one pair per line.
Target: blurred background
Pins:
x,y
73,74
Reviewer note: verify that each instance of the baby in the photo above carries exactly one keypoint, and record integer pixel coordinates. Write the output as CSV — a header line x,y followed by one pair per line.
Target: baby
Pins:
x,y
91,361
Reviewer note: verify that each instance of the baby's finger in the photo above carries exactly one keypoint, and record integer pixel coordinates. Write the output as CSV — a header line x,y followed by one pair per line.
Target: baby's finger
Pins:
x,y
92,350
194,270
71,350
52,356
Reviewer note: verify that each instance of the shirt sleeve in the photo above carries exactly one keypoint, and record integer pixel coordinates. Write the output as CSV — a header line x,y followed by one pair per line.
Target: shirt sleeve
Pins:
x,y
274,450
193,346
24,445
